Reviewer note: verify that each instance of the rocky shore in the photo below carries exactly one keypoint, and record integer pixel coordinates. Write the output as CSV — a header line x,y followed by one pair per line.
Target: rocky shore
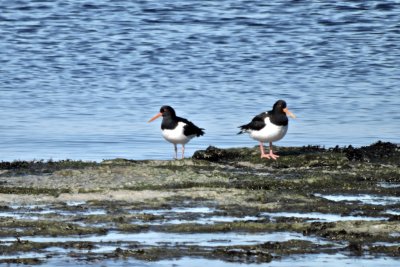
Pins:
x,y
335,200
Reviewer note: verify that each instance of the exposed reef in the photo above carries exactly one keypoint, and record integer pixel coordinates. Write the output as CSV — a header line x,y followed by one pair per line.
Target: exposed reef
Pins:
x,y
322,200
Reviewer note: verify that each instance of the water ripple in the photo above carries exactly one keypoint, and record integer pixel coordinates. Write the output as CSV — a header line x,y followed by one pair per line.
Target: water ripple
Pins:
x,y
72,69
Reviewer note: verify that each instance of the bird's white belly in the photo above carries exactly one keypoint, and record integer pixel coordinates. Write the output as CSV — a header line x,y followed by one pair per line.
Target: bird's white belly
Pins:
x,y
270,133
176,135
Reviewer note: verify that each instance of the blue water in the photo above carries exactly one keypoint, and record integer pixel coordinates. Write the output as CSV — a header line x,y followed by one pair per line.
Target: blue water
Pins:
x,y
80,79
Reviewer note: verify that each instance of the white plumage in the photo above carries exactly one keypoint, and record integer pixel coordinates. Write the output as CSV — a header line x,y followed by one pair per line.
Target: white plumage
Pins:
x,y
176,130
269,133
269,127
176,135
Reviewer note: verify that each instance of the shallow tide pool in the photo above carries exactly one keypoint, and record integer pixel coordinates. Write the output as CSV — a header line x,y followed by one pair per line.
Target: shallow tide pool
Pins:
x,y
363,198
172,239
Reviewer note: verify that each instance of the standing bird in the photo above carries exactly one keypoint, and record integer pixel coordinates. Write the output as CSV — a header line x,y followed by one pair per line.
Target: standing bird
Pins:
x,y
269,126
175,129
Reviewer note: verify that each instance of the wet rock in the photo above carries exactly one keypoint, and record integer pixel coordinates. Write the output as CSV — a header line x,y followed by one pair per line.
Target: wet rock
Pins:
x,y
318,227
355,248
393,251
49,227
317,156
288,246
393,218
375,152
80,245
33,190
290,219
25,261
41,166
247,255
291,157
4,208
119,252
215,154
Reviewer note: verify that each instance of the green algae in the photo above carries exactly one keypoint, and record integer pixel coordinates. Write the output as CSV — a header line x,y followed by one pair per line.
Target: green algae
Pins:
x,y
33,191
41,166
240,226
43,227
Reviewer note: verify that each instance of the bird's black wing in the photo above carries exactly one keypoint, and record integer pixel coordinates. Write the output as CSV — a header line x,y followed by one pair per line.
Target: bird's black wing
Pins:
x,y
190,128
257,123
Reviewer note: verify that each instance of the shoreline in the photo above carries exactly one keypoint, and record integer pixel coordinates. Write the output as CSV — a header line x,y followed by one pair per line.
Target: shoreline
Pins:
x,y
169,158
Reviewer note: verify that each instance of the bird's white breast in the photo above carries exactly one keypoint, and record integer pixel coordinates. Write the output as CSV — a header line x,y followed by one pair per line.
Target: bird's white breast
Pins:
x,y
176,135
270,132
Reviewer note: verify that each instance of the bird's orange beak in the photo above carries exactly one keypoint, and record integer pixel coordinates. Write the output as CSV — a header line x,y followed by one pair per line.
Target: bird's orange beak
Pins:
x,y
289,113
155,117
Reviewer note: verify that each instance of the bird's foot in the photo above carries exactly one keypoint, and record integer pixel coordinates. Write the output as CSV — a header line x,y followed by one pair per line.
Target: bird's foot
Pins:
x,y
270,156
273,156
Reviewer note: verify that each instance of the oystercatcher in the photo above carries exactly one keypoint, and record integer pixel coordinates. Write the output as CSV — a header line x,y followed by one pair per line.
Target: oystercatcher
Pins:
x,y
269,126
175,129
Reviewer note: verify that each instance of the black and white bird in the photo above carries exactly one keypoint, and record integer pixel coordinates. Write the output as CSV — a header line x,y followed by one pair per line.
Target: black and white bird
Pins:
x,y
176,130
269,126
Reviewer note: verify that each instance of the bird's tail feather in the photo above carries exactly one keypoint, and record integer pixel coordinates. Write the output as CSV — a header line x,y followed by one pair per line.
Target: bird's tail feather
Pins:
x,y
200,132
242,129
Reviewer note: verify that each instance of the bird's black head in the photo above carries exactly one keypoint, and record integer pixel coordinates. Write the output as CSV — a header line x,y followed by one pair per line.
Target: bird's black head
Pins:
x,y
167,111
279,106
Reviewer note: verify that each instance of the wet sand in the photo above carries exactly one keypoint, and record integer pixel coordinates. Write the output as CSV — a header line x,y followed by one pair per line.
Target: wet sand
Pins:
x,y
222,205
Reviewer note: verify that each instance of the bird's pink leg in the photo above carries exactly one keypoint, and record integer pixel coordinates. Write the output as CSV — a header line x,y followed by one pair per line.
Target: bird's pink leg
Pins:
x,y
183,151
263,155
176,151
271,154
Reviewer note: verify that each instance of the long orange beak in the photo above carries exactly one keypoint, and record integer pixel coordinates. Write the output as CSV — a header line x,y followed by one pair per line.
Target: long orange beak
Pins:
x,y
155,117
289,113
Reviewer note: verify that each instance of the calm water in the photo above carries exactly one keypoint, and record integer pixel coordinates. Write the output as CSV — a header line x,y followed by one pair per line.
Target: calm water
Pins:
x,y
80,79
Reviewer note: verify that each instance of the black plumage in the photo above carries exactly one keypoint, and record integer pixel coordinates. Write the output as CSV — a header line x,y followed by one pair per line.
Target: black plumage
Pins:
x,y
170,121
177,130
269,127
276,116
